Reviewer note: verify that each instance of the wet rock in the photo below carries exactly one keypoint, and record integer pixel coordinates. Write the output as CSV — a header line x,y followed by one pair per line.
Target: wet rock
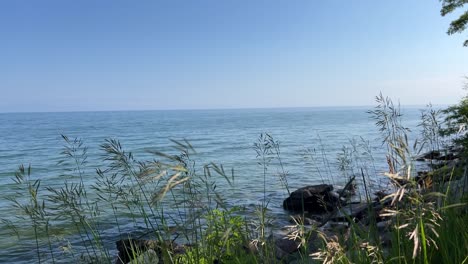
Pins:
x,y
314,199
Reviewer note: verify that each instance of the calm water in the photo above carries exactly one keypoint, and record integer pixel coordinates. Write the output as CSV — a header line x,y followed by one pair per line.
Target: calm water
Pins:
x,y
222,136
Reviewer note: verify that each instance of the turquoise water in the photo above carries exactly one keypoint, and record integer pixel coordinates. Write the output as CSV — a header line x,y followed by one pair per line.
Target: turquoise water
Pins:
x,y
223,136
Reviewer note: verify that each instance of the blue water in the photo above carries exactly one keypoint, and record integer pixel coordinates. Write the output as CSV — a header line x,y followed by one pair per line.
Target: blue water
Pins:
x,y
222,136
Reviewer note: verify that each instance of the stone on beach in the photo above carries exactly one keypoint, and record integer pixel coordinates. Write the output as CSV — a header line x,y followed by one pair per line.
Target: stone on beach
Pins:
x,y
313,199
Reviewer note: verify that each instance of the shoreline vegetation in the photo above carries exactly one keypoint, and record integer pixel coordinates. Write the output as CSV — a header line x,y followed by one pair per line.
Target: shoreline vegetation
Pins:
x,y
418,216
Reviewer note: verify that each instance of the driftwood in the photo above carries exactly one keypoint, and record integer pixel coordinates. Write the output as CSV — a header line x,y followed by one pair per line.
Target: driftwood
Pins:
x,y
349,187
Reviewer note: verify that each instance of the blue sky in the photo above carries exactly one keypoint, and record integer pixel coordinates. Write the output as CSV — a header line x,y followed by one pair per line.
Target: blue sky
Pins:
x,y
139,55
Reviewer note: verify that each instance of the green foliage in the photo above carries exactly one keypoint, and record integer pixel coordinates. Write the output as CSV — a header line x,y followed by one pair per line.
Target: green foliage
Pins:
x,y
458,25
453,238
456,123
224,240
32,209
225,232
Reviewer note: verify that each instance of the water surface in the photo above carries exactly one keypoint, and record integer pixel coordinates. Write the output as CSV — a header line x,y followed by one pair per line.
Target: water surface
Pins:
x,y
223,136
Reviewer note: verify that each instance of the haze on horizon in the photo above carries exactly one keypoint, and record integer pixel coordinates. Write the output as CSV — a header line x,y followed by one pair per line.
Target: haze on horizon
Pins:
x,y
124,55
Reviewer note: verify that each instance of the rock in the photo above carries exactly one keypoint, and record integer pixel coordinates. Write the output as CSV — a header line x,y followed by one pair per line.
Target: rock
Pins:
x,y
457,189
337,226
456,149
355,212
315,199
129,248
449,156
282,245
280,254
386,239
346,193
334,194
364,213
314,244
384,225
434,154
439,164
443,155
304,220
285,247
379,195
444,171
312,190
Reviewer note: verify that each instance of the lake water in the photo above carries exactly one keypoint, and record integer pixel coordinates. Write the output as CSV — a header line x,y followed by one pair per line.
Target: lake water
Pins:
x,y
222,136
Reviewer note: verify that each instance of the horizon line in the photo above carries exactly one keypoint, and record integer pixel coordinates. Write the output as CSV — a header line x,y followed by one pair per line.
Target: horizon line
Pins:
x,y
218,109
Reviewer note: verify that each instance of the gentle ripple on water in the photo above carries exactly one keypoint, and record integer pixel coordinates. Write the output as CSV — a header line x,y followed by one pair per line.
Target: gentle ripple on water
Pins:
x,y
223,136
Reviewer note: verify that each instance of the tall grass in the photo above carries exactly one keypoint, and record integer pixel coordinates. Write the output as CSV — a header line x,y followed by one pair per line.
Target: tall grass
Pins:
x,y
431,124
171,199
419,225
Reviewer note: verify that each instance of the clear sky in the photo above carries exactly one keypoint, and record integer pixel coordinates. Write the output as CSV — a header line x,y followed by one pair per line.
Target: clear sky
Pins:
x,y
137,55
